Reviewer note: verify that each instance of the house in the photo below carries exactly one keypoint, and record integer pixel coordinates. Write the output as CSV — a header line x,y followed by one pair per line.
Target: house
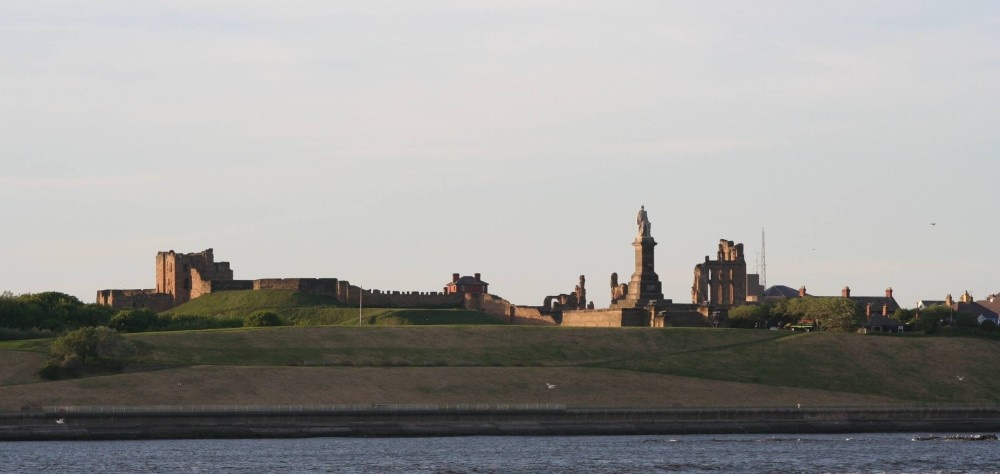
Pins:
x,y
473,285
985,310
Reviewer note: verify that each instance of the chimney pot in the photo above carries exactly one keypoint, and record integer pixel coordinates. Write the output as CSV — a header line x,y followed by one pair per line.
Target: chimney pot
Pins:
x,y
846,292
454,277
802,292
888,292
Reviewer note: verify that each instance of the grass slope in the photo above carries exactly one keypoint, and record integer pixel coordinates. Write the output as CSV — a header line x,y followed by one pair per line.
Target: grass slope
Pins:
x,y
304,309
507,364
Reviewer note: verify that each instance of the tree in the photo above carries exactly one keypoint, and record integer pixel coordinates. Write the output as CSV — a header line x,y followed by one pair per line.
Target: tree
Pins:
x,y
99,347
829,313
904,315
261,319
750,315
932,317
133,320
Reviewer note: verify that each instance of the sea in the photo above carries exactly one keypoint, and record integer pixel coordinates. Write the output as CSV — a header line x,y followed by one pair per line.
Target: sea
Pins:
x,y
833,453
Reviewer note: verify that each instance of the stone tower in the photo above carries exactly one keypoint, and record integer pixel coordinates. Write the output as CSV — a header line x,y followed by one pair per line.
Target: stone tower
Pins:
x,y
645,285
183,275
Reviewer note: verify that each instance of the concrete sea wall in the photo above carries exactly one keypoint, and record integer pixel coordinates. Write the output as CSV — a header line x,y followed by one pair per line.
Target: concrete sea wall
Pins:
x,y
90,423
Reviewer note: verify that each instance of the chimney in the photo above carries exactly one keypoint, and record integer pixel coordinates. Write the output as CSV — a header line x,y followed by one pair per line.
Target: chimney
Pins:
x,y
948,301
846,292
966,297
802,292
454,277
885,310
888,292
477,278
868,310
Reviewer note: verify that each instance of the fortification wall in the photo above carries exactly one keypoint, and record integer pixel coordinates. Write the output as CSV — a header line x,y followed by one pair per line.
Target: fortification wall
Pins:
x,y
413,299
594,318
230,285
503,310
316,286
688,316
145,299
354,296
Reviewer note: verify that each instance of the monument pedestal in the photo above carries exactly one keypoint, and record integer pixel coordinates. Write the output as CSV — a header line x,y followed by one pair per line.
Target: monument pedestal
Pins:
x,y
645,286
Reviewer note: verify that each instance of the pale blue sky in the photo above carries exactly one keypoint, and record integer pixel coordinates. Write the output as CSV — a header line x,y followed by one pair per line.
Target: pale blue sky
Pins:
x,y
394,143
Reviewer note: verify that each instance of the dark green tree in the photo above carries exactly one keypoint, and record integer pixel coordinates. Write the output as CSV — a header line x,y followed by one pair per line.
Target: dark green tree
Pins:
x,y
904,315
99,348
930,319
134,320
828,313
261,319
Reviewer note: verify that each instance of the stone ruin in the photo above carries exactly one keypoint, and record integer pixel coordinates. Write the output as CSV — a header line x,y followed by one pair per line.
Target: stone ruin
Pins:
x,y
567,301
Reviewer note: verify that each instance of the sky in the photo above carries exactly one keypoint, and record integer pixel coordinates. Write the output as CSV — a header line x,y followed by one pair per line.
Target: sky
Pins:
x,y
393,143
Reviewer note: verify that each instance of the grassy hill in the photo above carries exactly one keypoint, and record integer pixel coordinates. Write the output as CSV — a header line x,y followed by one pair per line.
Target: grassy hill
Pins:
x,y
511,364
304,309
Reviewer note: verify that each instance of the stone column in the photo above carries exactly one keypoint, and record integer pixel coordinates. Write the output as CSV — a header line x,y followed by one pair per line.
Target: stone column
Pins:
x,y
645,284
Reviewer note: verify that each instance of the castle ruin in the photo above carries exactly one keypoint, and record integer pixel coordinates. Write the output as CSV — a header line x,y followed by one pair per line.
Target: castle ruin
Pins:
x,y
182,277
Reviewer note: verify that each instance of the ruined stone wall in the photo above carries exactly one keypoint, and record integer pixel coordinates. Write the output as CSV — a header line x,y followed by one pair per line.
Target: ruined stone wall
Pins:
x,y
503,310
145,299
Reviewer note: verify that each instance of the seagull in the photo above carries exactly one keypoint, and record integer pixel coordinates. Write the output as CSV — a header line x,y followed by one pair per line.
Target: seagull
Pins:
x,y
960,378
933,223
549,385
798,405
61,421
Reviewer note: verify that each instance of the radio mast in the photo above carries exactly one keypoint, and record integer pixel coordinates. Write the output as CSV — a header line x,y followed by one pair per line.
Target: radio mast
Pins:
x,y
762,260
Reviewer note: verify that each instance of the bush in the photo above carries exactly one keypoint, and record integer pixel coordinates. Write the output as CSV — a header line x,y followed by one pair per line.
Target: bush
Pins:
x,y
99,348
259,319
7,334
191,322
134,320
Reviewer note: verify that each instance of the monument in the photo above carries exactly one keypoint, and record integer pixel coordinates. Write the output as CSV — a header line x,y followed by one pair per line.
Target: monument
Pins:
x,y
644,287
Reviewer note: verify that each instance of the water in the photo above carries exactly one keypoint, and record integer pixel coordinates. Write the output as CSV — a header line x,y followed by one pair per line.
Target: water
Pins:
x,y
875,453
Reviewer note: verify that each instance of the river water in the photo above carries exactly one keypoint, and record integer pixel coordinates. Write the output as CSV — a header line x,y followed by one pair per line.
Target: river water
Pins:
x,y
875,453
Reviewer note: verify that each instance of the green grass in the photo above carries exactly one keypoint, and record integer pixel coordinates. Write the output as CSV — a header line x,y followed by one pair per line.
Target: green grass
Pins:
x,y
302,309
904,368
31,345
238,303
924,369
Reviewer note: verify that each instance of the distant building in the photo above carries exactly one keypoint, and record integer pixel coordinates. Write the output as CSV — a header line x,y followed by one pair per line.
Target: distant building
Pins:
x,y
984,310
469,285
181,277
724,282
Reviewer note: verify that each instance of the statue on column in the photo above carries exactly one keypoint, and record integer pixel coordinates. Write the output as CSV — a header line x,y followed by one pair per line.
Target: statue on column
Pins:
x,y
643,222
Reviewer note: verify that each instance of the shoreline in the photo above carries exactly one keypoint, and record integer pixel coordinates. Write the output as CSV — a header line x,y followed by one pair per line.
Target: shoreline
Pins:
x,y
194,422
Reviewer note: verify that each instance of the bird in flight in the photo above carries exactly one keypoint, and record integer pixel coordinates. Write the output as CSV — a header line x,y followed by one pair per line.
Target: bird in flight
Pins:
x,y
933,223
61,421
960,378
549,385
